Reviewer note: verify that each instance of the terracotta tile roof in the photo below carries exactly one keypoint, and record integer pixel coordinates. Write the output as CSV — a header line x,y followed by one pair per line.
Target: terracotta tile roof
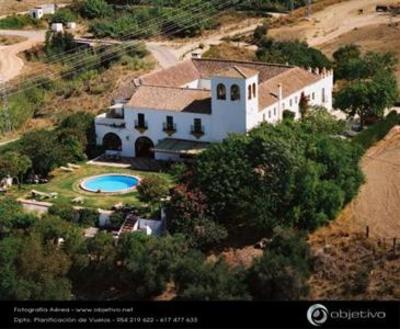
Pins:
x,y
175,76
162,89
237,72
209,67
292,80
205,68
172,99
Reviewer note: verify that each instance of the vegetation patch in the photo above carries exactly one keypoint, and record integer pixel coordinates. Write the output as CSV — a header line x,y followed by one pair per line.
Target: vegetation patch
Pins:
x,y
376,132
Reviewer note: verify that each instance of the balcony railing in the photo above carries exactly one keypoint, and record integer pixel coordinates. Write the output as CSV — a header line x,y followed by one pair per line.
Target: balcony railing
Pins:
x,y
197,131
169,129
121,125
141,126
115,115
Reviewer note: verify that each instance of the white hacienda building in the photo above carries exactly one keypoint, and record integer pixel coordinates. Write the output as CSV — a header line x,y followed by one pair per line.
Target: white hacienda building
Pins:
x,y
174,113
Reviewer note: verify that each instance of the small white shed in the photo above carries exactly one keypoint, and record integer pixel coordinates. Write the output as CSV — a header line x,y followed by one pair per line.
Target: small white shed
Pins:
x,y
57,27
71,25
37,13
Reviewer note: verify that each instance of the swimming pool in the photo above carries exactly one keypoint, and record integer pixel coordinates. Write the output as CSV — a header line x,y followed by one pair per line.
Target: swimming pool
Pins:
x,y
110,183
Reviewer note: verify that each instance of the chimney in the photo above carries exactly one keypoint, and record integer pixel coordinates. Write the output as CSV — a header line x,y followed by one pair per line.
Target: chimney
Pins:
x,y
324,72
316,71
280,92
280,98
309,69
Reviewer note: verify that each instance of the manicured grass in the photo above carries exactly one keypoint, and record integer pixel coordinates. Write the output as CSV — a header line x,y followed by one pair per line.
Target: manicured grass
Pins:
x,y
66,184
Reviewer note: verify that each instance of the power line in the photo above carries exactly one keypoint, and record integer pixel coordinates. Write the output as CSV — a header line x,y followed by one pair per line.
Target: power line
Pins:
x,y
110,53
122,46
143,30
5,113
309,8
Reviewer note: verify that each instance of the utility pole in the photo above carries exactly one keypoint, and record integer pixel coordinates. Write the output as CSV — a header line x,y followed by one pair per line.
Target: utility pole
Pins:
x,y
308,8
5,113
291,6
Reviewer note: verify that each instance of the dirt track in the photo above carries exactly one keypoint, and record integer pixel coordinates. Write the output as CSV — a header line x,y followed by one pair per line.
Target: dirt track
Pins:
x,y
10,64
334,21
378,204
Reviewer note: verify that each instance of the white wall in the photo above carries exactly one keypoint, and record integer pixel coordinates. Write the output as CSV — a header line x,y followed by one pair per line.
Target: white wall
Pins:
x,y
273,113
227,116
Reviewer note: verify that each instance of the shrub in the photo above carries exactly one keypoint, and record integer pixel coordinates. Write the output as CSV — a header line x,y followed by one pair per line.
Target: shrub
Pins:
x,y
153,188
59,42
95,9
88,217
117,219
282,272
18,22
288,115
65,212
64,16
375,133
199,280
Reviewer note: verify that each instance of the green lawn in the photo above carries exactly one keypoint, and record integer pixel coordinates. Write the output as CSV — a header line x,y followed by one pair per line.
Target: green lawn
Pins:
x,y
66,184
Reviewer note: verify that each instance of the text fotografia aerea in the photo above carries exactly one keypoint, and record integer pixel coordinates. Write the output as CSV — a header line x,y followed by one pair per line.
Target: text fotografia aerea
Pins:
x,y
31,310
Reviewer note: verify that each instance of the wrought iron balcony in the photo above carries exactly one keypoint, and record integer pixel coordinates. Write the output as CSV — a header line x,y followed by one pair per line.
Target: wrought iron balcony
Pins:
x,y
141,126
169,129
197,131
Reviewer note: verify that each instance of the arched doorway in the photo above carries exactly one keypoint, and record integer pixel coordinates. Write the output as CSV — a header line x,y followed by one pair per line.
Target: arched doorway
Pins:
x,y
112,142
144,148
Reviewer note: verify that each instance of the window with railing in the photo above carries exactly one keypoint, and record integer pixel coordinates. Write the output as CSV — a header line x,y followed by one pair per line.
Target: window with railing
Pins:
x,y
141,123
197,128
169,126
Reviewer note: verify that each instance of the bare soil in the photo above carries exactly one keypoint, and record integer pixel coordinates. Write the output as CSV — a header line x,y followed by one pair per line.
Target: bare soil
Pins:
x,y
332,21
7,40
348,264
8,7
229,50
378,37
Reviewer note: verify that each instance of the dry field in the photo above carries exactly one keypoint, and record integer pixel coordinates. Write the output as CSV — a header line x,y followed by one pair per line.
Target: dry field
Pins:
x,y
381,37
8,7
348,265
332,21
230,50
7,40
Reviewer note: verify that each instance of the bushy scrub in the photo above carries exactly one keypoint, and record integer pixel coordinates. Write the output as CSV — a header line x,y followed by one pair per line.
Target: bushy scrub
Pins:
x,y
153,188
293,174
19,22
375,133
283,270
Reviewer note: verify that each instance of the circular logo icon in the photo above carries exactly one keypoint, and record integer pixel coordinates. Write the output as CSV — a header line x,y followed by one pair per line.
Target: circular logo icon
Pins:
x,y
317,314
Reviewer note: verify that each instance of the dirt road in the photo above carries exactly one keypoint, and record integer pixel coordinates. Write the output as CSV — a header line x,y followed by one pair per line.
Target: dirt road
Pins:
x,y
334,21
10,63
378,203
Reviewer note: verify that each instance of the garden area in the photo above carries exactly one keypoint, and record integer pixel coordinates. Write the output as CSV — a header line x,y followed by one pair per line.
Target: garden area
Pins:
x,y
66,185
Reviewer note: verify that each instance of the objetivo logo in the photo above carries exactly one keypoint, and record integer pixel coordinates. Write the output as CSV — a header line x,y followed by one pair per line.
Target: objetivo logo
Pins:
x,y
317,314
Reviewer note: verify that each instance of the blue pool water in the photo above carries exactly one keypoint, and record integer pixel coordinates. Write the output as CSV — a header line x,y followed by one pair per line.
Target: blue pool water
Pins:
x,y
110,183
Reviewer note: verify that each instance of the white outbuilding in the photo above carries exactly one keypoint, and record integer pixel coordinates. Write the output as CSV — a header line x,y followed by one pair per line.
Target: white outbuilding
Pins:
x,y
39,11
57,27
36,13
71,25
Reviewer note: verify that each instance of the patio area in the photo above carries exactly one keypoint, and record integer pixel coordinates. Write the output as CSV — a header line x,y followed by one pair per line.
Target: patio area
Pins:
x,y
66,186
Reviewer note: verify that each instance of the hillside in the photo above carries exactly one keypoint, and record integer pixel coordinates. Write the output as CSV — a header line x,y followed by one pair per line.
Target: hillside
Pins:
x,y
348,264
